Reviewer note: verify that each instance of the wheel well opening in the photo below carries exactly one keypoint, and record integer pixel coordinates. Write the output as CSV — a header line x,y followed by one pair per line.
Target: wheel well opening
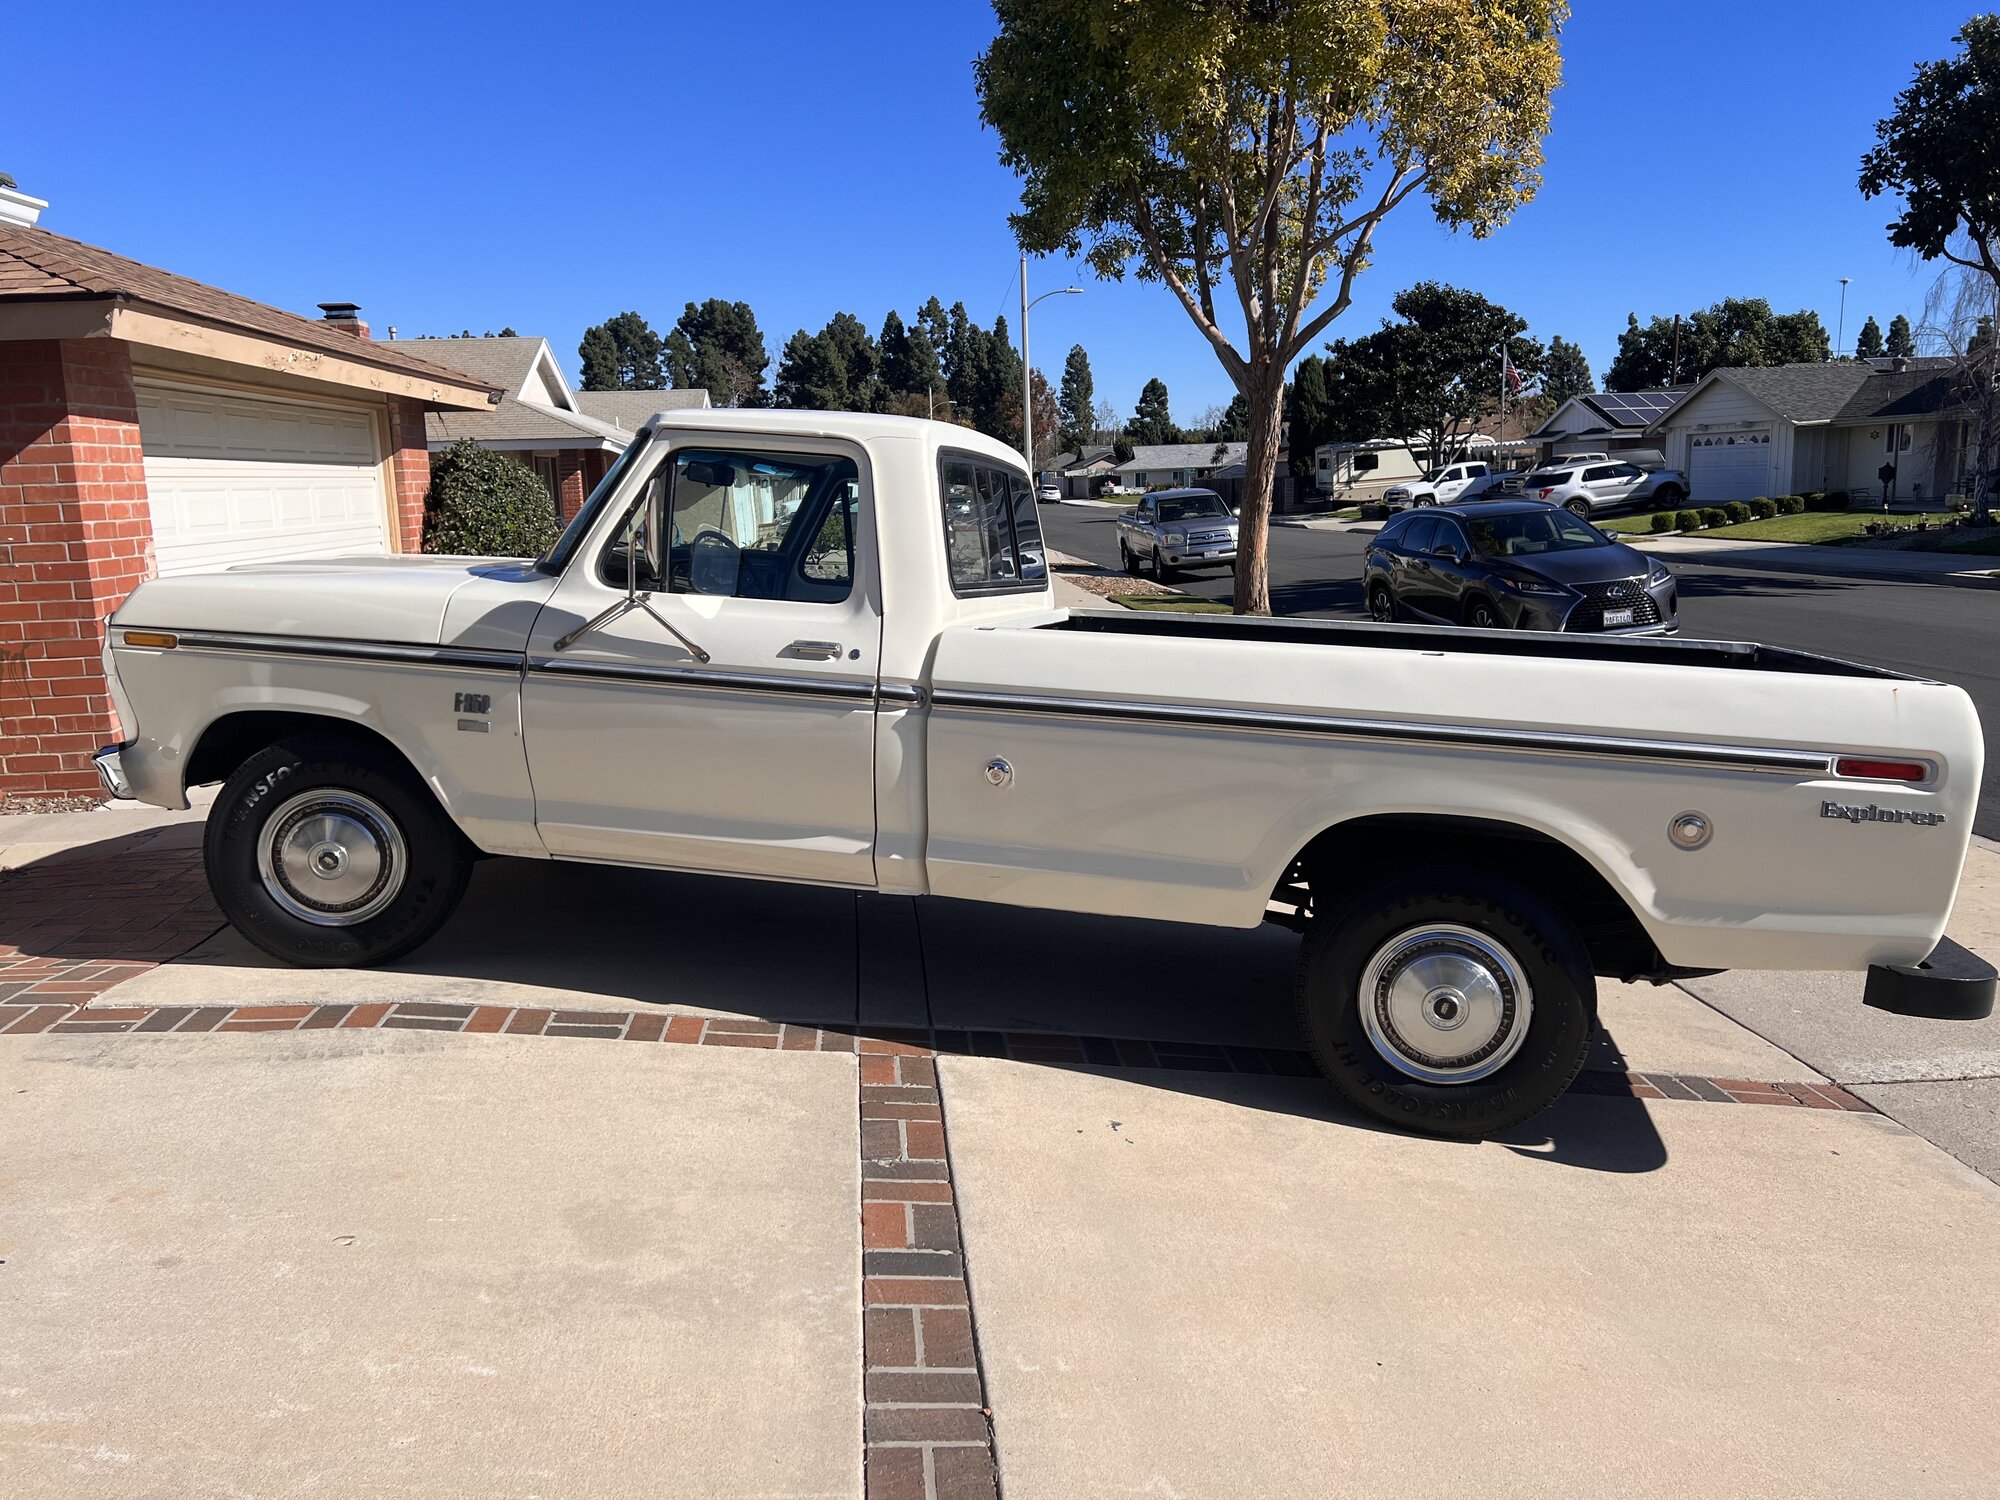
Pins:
x,y
234,738
1366,851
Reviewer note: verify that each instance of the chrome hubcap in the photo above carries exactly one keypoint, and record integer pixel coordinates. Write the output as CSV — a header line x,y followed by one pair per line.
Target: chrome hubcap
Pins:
x,y
332,858
1445,1004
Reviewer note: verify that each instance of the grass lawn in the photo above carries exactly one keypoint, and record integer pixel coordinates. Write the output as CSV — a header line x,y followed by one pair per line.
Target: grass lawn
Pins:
x,y
1814,526
1185,604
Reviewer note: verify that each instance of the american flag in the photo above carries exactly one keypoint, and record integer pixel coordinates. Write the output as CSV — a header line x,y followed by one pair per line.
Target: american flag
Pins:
x,y
1510,374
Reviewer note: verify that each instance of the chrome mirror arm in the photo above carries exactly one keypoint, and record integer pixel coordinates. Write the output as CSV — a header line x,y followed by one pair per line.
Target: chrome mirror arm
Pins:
x,y
625,606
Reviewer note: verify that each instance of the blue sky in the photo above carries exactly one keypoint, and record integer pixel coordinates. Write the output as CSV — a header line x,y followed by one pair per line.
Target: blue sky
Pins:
x,y
452,166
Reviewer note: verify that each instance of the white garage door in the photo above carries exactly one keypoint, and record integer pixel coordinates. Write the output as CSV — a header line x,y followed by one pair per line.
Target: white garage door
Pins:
x,y
233,479
1729,466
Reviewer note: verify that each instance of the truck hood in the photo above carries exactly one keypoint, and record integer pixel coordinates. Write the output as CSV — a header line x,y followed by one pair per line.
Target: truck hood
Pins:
x,y
418,600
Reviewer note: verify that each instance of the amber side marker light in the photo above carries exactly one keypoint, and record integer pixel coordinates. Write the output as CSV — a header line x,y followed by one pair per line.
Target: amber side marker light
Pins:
x,y
1880,770
157,639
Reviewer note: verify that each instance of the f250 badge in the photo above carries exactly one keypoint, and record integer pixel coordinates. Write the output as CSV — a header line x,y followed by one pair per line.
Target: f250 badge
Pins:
x,y
1873,814
464,704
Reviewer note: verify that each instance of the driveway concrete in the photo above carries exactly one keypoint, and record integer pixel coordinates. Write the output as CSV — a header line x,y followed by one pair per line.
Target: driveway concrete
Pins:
x,y
376,1264
1960,1114
1219,1288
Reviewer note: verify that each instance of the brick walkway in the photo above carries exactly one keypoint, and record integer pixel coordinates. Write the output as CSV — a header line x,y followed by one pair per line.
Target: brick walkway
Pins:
x,y
76,927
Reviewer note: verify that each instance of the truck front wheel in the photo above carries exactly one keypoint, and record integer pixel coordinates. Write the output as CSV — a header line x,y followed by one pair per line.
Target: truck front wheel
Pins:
x,y
1447,1004
330,854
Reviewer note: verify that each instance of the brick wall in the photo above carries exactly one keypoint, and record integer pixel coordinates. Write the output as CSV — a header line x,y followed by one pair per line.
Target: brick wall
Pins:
x,y
570,487
409,471
75,537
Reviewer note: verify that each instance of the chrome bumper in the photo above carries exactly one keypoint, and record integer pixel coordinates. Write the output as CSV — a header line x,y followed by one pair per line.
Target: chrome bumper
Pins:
x,y
111,771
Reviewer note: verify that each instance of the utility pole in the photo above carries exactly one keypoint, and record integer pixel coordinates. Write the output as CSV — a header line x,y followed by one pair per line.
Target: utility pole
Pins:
x,y
1840,338
1674,374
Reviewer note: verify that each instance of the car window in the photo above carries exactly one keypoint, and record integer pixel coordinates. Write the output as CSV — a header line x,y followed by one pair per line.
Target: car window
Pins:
x,y
1393,532
1630,471
1548,478
1601,471
1527,533
992,530
1418,537
744,524
1192,507
1448,535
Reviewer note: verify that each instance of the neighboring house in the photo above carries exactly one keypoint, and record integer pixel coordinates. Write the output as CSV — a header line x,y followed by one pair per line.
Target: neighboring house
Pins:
x,y
1607,422
1083,471
1170,465
151,424
1791,429
568,438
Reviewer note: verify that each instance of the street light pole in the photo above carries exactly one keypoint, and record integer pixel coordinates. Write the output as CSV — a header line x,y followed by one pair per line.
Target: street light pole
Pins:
x,y
1840,338
1028,370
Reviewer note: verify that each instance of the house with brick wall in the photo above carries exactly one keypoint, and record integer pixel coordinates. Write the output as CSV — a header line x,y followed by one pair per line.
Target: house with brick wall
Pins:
x,y
152,424
569,438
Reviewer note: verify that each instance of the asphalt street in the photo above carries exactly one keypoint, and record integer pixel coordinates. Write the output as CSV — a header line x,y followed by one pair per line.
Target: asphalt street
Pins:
x,y
1942,630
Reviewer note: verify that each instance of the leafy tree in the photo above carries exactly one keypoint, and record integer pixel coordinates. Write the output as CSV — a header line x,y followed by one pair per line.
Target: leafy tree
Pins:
x,y
1254,149
1734,333
718,347
1310,409
1121,450
1429,379
909,361
1079,395
486,504
1565,372
1152,421
1869,345
1902,343
1048,419
508,332
1233,426
622,354
836,369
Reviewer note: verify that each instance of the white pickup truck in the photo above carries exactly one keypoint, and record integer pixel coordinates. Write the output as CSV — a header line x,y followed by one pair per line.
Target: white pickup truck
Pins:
x,y
823,647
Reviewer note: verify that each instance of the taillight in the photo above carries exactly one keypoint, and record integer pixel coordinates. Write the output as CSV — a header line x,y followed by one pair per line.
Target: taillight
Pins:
x,y
1854,768
1544,494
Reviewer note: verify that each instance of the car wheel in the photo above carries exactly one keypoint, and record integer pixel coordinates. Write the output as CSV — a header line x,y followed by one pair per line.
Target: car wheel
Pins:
x,y
1425,500
1161,572
1667,496
327,853
1381,604
1126,560
1579,508
1481,615
1447,1003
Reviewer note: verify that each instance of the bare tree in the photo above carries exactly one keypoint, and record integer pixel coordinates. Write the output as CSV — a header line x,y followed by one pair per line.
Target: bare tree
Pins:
x,y
1960,317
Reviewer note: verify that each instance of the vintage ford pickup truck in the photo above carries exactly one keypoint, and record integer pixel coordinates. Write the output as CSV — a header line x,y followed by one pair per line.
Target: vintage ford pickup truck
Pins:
x,y
823,647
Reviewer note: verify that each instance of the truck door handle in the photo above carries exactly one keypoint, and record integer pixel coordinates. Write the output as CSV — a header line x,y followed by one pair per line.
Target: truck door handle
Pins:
x,y
813,650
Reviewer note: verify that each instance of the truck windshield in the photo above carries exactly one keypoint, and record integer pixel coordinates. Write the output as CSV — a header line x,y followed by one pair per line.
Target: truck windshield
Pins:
x,y
557,557
1526,533
1191,507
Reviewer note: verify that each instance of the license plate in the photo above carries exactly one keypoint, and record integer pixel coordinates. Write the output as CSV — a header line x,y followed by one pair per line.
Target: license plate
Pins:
x,y
1616,617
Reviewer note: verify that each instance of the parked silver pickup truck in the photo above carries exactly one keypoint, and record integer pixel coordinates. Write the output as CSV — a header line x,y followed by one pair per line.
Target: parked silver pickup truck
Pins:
x,y
822,647
1169,530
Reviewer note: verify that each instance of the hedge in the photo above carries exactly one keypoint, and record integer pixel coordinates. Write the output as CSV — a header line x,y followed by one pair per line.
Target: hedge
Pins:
x,y
1830,500
1763,509
485,504
1791,505
1662,521
1711,516
1737,512
1687,520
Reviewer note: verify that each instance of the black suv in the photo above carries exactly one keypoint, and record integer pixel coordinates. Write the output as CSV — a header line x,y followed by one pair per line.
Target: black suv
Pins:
x,y
1515,564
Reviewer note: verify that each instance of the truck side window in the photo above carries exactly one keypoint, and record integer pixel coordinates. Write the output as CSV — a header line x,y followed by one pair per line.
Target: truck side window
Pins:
x,y
752,525
992,531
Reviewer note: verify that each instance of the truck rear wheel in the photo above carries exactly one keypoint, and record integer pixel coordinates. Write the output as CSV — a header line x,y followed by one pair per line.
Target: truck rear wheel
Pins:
x,y
1447,1004
329,854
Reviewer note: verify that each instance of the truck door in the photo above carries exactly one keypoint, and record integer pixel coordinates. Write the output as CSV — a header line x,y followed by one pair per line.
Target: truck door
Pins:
x,y
758,759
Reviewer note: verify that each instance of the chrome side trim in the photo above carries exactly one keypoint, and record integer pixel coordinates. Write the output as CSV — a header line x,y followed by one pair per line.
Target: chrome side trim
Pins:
x,y
852,689
1545,742
908,694
455,658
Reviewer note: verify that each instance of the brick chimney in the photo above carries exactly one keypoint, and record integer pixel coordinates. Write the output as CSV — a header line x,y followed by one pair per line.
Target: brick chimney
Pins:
x,y
346,316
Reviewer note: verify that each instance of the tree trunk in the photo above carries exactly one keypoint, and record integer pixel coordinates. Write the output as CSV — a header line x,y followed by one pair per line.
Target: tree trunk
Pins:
x,y
1265,392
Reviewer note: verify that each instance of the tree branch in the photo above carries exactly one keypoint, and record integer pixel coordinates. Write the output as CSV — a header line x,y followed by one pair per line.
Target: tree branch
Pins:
x,y
1142,219
1351,263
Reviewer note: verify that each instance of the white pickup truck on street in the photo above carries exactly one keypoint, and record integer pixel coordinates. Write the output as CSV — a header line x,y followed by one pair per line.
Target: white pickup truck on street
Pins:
x,y
823,647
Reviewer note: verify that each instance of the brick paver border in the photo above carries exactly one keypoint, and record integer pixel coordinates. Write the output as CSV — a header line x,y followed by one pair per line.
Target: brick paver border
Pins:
x,y
39,1011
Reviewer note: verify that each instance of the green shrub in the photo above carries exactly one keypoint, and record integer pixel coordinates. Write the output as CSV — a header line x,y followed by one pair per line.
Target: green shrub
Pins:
x,y
1763,509
485,504
1793,505
1661,521
1687,520
1711,516
1737,512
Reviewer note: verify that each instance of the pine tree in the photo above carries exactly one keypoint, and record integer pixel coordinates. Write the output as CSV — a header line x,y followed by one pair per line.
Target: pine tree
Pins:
x,y
718,347
622,354
1869,345
1311,411
1902,343
1152,422
1566,372
1079,397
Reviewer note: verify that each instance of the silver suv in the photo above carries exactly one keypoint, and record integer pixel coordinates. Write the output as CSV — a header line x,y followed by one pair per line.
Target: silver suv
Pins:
x,y
1172,529
1584,487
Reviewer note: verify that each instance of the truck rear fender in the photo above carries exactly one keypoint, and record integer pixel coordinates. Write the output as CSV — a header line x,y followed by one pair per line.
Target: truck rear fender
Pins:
x,y
1365,850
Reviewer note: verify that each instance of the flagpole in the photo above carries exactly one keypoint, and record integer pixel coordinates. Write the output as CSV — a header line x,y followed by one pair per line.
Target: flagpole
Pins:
x,y
1501,442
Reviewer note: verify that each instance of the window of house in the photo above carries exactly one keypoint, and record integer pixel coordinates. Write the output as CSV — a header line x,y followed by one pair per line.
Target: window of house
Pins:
x,y
992,530
544,465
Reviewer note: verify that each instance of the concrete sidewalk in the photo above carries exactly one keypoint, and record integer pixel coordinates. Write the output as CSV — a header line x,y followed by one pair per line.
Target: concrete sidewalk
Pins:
x,y
1788,557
